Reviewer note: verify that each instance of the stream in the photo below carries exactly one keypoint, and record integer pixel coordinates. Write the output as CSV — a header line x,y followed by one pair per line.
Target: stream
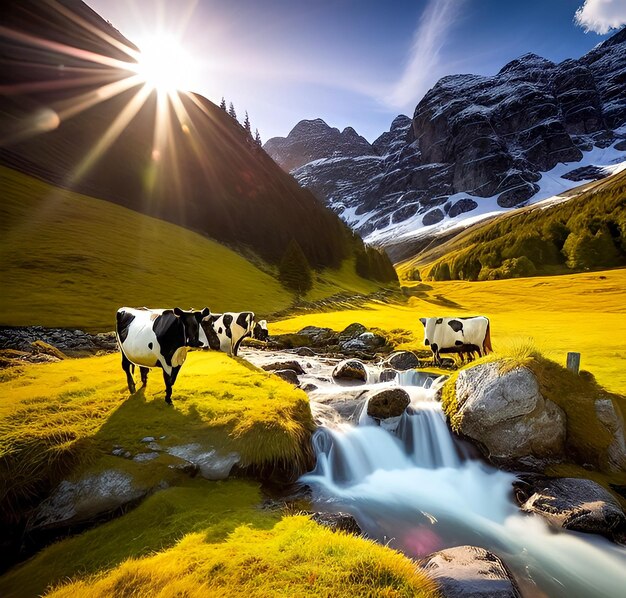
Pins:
x,y
413,486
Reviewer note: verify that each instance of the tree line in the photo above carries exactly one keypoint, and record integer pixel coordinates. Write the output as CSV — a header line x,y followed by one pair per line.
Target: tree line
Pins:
x,y
587,232
246,123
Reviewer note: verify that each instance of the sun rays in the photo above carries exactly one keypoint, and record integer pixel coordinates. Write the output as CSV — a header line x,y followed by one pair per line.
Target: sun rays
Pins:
x,y
69,80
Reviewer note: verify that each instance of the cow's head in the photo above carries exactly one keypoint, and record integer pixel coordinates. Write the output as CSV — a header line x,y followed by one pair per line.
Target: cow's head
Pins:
x,y
260,331
191,325
207,327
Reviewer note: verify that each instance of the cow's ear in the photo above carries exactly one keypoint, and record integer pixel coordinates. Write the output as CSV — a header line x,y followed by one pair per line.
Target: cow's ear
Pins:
x,y
206,312
423,321
178,312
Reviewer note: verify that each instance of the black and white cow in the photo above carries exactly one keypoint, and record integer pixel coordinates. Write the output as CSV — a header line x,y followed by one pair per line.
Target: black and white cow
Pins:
x,y
226,331
465,336
151,338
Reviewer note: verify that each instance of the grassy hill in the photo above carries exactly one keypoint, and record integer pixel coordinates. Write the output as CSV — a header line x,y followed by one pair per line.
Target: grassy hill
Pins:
x,y
70,260
579,312
586,232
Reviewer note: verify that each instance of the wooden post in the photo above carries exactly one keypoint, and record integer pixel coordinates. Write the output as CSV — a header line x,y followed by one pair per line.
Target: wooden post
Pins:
x,y
573,362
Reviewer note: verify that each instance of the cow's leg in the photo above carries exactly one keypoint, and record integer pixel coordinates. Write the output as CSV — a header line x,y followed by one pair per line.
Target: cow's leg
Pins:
x,y
237,345
144,375
129,368
168,387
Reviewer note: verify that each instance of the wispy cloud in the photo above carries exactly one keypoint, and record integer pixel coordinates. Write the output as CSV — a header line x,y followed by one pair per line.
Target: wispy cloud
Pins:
x,y
424,62
601,16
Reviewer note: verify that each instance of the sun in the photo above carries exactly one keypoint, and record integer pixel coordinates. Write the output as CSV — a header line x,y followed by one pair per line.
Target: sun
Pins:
x,y
164,65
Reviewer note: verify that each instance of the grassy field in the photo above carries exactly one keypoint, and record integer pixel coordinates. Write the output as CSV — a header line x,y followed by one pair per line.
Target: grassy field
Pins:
x,y
194,538
68,260
578,312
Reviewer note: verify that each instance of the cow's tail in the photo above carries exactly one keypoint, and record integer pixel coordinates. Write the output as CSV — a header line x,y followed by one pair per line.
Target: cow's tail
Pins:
x,y
487,348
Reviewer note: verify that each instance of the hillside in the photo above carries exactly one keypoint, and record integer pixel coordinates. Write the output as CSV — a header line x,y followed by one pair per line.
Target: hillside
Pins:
x,y
69,260
75,122
585,231
476,145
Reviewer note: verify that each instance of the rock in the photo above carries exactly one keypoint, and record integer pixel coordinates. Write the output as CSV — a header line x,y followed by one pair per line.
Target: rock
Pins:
x,y
346,405
574,503
288,376
367,341
351,332
92,496
211,464
143,457
309,387
469,571
517,196
318,336
402,360
387,375
350,369
337,522
585,173
190,469
507,415
433,217
462,206
306,352
284,365
388,403
43,348
148,439
614,424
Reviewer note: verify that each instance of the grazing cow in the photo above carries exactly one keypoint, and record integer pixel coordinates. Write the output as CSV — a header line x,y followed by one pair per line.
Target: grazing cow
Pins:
x,y
225,332
457,335
152,338
261,332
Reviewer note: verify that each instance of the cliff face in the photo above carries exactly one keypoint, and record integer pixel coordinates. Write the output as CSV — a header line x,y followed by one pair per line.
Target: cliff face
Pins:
x,y
475,144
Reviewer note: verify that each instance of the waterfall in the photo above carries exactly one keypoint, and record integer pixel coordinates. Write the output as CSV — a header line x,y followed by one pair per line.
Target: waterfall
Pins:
x,y
415,491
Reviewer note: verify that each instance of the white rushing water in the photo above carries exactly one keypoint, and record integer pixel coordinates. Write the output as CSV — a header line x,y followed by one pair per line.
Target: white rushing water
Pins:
x,y
416,490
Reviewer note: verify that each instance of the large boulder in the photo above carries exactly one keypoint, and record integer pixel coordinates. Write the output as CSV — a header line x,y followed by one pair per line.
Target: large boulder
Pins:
x,y
284,365
388,403
470,572
318,336
366,341
288,375
505,413
350,369
402,360
574,503
344,406
612,420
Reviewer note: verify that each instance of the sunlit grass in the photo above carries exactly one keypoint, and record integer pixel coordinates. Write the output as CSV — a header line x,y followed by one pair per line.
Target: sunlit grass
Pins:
x,y
585,313
65,417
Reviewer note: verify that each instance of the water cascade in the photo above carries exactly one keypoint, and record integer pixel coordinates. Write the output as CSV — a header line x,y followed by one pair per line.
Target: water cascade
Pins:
x,y
417,490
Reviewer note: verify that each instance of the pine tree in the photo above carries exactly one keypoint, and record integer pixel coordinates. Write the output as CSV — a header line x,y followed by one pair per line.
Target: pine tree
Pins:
x,y
294,271
257,138
246,125
223,104
231,111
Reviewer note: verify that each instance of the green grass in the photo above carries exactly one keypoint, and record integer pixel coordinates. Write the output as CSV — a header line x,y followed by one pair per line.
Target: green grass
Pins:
x,y
295,558
64,418
577,312
69,260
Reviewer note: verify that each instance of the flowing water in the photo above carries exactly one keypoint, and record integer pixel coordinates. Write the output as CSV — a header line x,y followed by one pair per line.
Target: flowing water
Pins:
x,y
416,489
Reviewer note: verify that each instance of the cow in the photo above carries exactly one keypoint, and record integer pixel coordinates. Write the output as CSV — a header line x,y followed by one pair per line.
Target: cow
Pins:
x,y
225,332
151,338
466,336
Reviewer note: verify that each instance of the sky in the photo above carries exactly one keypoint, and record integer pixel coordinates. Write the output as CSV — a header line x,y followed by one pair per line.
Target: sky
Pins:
x,y
355,63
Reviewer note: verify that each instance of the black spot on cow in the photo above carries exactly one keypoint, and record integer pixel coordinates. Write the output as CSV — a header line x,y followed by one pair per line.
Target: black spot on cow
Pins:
x,y
243,319
170,334
439,321
149,345
219,330
124,320
458,343
455,325
228,320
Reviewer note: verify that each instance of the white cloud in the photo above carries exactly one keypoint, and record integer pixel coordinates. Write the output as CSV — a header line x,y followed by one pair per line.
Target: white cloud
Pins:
x,y
423,66
601,15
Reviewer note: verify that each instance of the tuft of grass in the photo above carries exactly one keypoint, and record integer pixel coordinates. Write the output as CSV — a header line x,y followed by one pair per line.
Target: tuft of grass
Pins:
x,y
67,416
295,558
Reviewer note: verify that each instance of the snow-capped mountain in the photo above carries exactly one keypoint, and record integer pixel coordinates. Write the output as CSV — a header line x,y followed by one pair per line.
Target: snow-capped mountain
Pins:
x,y
475,145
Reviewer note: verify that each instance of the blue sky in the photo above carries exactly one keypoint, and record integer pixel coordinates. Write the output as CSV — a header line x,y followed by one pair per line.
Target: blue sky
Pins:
x,y
354,63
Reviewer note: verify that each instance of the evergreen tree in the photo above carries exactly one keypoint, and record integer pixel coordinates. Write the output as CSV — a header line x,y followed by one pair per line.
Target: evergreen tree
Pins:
x,y
231,111
257,138
294,271
223,104
246,125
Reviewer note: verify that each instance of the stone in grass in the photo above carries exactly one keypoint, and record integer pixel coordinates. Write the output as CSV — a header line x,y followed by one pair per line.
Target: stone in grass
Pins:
x,y
338,522
350,369
391,402
470,571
